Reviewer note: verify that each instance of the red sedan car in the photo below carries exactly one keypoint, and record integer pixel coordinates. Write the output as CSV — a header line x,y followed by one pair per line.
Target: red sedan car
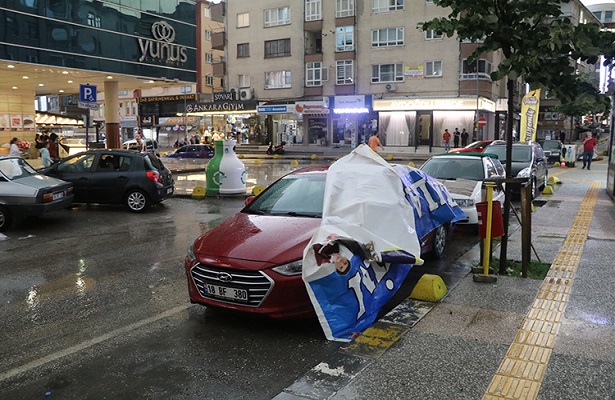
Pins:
x,y
474,147
252,262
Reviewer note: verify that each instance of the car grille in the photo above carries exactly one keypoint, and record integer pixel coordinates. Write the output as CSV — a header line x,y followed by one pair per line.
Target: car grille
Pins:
x,y
256,283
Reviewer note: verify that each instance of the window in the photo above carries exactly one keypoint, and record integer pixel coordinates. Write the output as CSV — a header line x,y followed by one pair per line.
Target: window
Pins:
x,y
313,10
387,73
207,13
387,5
243,50
244,80
93,20
209,58
277,16
277,80
388,37
277,48
469,70
344,72
209,80
431,34
608,16
344,38
315,74
433,68
598,14
243,20
344,8
207,35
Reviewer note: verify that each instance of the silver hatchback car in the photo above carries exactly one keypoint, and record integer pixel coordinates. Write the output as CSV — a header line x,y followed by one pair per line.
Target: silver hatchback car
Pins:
x,y
24,192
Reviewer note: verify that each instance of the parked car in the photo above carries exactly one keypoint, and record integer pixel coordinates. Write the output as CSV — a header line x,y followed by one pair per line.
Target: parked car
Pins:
x,y
107,176
193,151
252,262
528,161
552,149
25,192
474,147
463,175
150,145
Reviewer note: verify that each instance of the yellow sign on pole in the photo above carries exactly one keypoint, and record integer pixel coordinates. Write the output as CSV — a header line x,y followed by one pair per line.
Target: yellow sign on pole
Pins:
x,y
529,116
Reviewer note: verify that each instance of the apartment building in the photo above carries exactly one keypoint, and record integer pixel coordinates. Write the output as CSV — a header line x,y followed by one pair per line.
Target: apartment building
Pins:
x,y
333,72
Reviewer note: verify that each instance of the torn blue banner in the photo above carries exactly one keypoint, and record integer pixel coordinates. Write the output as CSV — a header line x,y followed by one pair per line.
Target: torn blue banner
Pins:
x,y
375,218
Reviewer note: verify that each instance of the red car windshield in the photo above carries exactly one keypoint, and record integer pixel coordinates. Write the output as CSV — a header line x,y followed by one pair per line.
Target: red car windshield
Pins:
x,y
294,195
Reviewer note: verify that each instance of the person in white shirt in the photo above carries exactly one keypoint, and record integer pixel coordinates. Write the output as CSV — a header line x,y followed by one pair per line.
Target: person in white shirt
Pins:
x,y
14,150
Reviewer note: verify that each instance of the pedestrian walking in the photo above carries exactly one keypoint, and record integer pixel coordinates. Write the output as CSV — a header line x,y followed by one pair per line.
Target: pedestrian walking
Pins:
x,y
446,139
14,148
374,142
45,157
562,136
53,147
589,144
456,136
464,137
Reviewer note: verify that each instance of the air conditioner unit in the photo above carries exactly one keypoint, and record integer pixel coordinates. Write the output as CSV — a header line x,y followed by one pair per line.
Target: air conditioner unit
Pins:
x,y
391,87
246,94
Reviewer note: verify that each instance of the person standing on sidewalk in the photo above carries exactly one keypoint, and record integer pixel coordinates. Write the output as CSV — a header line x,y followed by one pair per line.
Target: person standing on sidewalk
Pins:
x,y
456,136
45,157
464,137
589,143
446,138
374,142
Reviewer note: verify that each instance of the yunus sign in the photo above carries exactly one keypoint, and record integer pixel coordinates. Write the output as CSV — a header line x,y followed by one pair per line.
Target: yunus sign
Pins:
x,y
162,48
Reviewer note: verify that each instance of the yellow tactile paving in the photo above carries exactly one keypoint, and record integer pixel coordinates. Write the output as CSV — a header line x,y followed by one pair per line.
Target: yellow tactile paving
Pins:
x,y
522,370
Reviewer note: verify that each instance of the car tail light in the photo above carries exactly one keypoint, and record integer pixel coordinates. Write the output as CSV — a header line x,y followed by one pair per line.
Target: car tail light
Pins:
x,y
47,197
154,176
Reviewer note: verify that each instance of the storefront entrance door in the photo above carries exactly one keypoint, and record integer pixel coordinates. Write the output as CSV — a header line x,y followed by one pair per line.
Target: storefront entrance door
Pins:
x,y
423,129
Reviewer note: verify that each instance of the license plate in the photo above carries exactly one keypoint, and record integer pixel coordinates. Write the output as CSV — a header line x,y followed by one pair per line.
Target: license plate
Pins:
x,y
58,195
226,292
169,190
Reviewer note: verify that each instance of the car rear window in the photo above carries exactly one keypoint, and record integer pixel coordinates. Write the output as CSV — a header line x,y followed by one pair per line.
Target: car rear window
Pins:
x,y
152,162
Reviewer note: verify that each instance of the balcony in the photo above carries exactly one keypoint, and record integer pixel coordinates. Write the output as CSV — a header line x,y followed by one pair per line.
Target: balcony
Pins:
x,y
217,12
218,40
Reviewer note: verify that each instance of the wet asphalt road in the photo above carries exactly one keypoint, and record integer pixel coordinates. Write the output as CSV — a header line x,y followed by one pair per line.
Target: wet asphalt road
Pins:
x,y
94,305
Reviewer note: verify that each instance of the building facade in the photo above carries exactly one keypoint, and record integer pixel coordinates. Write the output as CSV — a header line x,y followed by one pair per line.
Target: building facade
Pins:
x,y
48,48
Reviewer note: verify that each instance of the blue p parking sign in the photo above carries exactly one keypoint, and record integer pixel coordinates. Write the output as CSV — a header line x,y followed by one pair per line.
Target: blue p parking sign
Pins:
x,y
87,93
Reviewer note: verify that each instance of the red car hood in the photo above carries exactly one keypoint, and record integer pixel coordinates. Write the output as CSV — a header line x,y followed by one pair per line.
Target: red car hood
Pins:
x,y
260,238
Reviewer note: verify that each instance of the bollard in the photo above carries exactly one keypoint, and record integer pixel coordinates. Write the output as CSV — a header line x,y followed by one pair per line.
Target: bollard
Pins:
x,y
485,277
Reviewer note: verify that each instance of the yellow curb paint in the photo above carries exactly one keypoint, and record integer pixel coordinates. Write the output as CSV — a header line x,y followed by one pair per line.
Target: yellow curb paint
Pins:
x,y
276,156
198,192
523,369
258,162
429,288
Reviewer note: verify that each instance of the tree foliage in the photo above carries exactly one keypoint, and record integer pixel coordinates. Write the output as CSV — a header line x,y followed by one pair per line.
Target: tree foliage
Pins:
x,y
538,43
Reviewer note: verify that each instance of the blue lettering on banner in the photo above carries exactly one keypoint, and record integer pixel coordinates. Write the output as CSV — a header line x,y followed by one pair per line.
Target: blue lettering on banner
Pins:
x,y
271,109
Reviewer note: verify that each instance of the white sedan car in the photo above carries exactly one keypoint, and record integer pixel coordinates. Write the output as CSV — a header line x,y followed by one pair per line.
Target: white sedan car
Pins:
x,y
463,175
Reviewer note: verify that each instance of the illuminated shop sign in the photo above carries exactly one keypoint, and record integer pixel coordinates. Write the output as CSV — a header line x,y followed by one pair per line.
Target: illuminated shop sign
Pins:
x,y
350,105
276,109
176,97
222,106
434,104
162,48
311,107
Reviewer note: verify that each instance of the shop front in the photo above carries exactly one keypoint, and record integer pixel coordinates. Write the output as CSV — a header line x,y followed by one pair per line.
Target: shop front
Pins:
x,y
315,117
282,124
352,121
420,122
227,119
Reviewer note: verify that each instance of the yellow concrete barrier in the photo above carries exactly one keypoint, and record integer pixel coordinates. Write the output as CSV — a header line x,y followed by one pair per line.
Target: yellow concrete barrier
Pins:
x,y
257,162
294,163
276,156
389,157
553,180
198,192
429,288
547,190
256,190
411,164
314,156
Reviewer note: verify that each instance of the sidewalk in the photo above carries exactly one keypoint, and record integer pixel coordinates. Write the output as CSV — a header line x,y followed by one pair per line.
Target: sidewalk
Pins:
x,y
518,338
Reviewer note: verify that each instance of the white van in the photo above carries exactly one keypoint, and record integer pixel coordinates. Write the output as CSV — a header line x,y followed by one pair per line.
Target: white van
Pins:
x,y
150,145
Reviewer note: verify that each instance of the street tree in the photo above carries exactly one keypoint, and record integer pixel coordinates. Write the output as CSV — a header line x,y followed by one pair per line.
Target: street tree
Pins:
x,y
539,45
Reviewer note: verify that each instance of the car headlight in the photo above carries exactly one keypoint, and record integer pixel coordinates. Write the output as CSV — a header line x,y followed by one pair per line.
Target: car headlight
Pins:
x,y
525,173
290,269
190,255
465,202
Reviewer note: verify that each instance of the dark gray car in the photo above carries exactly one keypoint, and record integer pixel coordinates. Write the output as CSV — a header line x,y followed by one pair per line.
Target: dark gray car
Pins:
x,y
528,161
107,176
